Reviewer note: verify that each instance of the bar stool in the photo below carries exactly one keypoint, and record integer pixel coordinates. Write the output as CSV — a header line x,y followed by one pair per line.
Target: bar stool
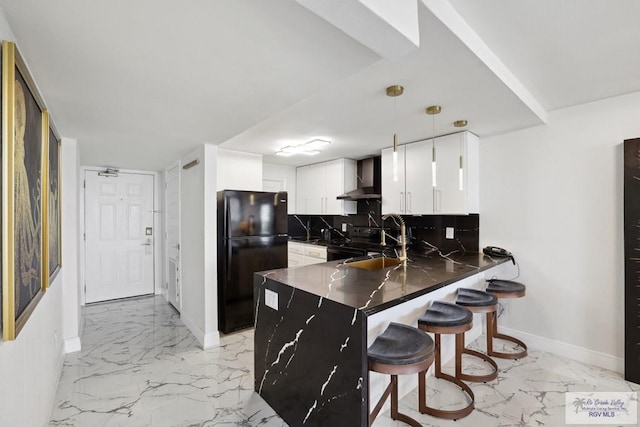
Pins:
x,y
445,318
478,301
503,289
400,349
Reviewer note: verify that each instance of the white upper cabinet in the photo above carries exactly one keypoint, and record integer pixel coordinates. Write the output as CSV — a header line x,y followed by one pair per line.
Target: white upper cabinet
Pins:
x,y
393,190
419,199
456,188
412,192
319,185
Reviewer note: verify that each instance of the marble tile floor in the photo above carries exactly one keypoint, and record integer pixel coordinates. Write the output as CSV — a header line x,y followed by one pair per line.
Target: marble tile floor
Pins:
x,y
140,366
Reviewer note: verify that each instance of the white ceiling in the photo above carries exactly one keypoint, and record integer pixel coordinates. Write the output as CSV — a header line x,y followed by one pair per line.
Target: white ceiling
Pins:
x,y
141,83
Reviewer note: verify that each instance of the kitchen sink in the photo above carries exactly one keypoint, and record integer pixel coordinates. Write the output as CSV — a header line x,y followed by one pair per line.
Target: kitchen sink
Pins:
x,y
375,263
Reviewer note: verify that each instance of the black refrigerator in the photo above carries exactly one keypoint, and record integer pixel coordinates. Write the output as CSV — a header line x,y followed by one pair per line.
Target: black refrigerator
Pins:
x,y
252,236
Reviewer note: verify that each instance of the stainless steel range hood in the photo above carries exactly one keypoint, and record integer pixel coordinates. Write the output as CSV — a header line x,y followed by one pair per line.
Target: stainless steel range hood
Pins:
x,y
368,176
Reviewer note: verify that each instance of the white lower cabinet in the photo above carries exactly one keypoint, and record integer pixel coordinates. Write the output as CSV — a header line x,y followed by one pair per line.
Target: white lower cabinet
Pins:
x,y
304,254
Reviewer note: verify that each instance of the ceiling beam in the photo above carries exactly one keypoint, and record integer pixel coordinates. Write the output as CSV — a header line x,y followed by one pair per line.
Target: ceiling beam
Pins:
x,y
389,28
458,26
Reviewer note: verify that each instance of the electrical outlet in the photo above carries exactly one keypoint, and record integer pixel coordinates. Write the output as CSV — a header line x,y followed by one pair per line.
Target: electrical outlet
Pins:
x,y
271,299
449,233
344,226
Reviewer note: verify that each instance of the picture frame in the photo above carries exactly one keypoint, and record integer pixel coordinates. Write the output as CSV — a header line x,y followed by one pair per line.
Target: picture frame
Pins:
x,y
24,207
54,222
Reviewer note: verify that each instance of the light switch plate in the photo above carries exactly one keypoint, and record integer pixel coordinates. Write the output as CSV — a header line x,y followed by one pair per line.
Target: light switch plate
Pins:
x,y
449,233
344,226
271,299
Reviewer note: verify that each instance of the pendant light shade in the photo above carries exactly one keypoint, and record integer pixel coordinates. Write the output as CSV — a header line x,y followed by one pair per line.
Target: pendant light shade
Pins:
x,y
395,91
461,124
432,110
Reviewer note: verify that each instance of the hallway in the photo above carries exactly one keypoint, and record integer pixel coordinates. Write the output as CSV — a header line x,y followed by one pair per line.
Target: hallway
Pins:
x,y
140,366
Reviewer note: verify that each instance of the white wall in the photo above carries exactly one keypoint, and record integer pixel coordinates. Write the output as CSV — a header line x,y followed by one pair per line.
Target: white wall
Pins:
x,y
198,245
211,165
71,296
286,175
237,170
31,364
192,246
552,194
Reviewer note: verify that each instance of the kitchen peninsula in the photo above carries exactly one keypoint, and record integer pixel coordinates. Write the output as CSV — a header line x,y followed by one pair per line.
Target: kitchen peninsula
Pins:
x,y
314,324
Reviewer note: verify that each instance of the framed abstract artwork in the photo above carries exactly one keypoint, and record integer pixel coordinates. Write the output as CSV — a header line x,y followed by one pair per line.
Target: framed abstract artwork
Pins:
x,y
24,190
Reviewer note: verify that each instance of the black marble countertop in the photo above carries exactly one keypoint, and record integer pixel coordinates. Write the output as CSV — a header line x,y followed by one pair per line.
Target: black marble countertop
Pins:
x,y
376,290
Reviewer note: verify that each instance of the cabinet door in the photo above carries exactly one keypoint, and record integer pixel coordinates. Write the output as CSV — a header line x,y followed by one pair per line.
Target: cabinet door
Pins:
x,y
450,196
302,189
333,178
316,189
295,260
393,192
419,185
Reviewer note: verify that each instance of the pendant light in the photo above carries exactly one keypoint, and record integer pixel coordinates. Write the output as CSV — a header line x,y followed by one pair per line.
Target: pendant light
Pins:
x,y
432,110
461,124
395,91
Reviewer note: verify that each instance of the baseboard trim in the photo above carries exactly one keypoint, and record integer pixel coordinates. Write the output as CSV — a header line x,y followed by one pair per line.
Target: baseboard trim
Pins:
x,y
206,341
72,345
580,354
212,339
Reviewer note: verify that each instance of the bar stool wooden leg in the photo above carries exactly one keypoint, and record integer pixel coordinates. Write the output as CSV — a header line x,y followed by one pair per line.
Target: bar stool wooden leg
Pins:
x,y
441,413
474,378
492,332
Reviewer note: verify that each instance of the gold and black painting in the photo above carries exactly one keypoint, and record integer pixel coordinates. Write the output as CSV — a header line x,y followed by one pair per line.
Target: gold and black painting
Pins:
x,y
22,216
53,201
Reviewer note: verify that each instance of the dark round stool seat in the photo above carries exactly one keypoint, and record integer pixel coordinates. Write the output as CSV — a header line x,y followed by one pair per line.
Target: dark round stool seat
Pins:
x,y
400,349
445,315
475,298
446,318
401,345
506,288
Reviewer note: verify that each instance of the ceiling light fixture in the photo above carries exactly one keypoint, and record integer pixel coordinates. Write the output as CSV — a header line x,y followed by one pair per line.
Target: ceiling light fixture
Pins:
x,y
395,91
432,110
461,124
310,148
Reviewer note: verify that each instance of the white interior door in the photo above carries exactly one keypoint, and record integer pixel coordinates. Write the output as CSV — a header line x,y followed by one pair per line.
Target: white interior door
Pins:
x,y
172,208
119,255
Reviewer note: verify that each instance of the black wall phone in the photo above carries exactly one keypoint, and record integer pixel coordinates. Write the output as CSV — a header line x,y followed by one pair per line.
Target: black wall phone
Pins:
x,y
498,252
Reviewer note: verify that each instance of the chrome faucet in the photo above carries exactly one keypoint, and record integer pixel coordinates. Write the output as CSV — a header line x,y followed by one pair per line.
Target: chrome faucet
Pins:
x,y
403,233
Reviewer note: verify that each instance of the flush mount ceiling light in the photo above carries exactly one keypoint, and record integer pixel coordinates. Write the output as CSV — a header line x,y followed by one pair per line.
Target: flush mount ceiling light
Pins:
x,y
395,91
310,148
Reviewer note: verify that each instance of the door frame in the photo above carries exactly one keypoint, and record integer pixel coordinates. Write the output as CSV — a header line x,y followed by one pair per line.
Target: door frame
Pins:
x,y
165,243
158,226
